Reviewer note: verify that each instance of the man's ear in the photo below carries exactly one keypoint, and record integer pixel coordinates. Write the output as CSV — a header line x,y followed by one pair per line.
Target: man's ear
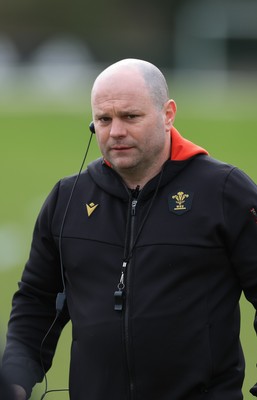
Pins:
x,y
170,113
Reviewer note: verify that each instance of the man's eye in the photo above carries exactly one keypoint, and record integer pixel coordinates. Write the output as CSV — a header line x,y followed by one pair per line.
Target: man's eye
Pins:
x,y
132,116
104,119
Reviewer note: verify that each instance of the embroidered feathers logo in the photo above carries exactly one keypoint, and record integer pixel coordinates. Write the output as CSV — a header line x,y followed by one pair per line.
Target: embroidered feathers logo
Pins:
x,y
91,208
180,202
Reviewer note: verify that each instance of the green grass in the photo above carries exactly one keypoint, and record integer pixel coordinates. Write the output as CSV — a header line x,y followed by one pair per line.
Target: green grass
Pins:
x,y
37,149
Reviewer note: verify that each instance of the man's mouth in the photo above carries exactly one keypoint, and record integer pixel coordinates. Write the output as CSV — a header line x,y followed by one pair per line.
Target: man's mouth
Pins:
x,y
121,147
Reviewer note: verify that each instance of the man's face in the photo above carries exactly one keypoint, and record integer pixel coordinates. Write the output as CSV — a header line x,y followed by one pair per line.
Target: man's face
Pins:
x,y
132,132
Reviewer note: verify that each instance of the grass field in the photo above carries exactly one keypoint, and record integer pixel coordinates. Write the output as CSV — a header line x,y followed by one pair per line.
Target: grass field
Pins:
x,y
38,147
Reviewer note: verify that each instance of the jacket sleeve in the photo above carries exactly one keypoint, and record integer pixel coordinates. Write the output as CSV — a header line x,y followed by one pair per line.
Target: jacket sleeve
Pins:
x,y
240,213
34,307
5,389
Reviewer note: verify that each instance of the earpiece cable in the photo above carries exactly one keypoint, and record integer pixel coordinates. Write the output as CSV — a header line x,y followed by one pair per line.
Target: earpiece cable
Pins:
x,y
61,296
66,211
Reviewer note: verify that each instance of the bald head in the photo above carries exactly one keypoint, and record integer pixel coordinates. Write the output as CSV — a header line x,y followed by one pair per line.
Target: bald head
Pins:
x,y
133,116
153,78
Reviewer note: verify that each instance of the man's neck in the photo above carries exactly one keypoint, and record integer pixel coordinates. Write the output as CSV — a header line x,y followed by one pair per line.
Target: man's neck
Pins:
x,y
134,180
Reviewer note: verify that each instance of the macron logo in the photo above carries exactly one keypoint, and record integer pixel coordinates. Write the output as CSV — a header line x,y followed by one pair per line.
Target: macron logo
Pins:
x,y
91,208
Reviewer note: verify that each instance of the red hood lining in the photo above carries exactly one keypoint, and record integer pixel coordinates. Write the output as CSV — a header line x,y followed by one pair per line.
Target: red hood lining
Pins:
x,y
181,148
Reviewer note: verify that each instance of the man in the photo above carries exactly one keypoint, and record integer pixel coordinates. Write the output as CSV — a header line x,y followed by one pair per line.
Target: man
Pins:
x,y
151,246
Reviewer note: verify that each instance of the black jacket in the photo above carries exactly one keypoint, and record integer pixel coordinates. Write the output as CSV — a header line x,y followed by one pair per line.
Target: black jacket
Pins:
x,y
6,392
188,240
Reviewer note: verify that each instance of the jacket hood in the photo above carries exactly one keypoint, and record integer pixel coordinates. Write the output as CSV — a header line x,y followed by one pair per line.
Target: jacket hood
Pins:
x,y
181,148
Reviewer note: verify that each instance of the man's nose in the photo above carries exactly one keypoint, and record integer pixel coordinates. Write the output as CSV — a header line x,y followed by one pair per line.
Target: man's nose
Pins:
x,y
118,128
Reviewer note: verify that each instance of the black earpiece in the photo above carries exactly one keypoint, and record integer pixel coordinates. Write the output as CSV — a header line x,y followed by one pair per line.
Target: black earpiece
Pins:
x,y
92,127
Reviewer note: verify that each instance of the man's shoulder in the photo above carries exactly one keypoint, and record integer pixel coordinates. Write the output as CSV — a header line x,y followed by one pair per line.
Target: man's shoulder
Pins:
x,y
211,164
69,181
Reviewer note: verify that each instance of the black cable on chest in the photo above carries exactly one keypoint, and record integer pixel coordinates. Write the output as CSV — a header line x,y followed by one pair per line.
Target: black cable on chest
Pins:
x,y
61,297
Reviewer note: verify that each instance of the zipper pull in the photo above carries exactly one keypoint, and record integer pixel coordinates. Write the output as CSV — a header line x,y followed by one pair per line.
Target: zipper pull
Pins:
x,y
120,293
135,193
133,207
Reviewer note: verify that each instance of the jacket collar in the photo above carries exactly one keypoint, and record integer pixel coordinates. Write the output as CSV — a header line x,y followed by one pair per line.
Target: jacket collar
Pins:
x,y
181,148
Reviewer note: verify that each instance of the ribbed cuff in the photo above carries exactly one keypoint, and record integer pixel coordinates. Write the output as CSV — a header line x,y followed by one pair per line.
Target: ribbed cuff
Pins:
x,y
23,376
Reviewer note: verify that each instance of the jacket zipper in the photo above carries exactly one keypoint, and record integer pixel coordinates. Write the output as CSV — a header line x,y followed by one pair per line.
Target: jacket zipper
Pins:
x,y
126,312
121,295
